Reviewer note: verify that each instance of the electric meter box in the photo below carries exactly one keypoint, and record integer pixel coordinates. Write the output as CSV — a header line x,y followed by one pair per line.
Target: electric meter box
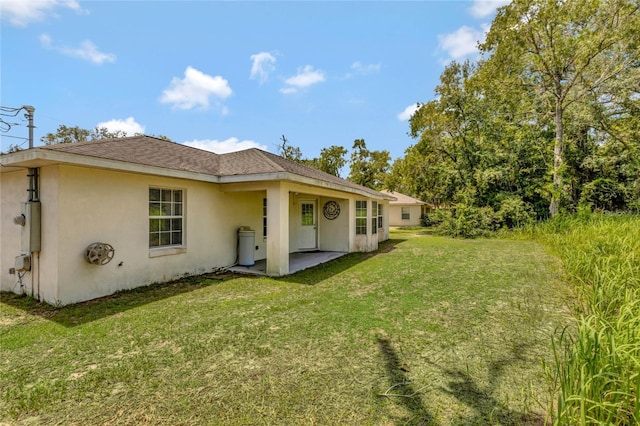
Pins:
x,y
30,236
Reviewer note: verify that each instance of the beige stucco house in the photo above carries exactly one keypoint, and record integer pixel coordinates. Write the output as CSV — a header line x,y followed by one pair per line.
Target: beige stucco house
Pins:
x,y
405,210
163,210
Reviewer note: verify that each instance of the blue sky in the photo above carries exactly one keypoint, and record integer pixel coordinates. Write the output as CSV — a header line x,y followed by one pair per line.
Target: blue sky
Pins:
x,y
230,75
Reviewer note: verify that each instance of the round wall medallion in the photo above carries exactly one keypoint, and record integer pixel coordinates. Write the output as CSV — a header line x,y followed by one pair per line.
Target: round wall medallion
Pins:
x,y
331,210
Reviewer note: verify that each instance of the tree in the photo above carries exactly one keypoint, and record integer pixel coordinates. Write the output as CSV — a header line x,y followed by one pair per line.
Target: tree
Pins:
x,y
289,152
66,134
74,134
566,50
478,144
332,159
368,168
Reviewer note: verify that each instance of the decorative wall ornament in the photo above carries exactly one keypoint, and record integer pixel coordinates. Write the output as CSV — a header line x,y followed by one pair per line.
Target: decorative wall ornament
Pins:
x,y
331,210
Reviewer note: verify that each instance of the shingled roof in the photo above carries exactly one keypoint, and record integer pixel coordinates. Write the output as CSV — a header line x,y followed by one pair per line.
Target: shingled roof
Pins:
x,y
150,151
145,150
402,198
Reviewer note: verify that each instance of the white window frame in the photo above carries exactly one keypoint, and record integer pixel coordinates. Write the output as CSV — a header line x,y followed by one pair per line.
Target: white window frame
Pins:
x,y
361,221
264,218
405,213
167,212
374,217
380,216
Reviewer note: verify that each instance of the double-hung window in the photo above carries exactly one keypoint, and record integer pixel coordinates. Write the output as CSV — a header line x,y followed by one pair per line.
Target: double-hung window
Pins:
x,y
166,220
374,217
361,217
380,223
264,218
406,215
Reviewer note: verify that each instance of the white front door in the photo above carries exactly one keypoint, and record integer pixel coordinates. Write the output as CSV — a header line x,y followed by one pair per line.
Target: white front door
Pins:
x,y
308,225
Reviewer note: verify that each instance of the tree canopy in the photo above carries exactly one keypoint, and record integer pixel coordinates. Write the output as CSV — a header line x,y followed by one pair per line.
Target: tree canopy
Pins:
x,y
546,120
74,134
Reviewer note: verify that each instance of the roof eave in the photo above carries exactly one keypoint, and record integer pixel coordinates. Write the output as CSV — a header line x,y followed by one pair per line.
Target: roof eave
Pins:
x,y
43,157
292,177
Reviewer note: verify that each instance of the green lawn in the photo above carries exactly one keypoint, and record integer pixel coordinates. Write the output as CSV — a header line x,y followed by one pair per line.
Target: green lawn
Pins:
x,y
428,330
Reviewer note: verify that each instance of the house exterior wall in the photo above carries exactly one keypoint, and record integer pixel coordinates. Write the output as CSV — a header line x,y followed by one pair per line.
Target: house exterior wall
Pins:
x,y
395,215
82,205
332,232
331,235
362,243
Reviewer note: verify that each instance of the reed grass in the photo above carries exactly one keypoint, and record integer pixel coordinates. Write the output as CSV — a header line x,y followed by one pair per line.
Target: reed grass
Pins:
x,y
596,374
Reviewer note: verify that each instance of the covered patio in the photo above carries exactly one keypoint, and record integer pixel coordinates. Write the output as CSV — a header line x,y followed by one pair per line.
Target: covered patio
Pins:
x,y
297,262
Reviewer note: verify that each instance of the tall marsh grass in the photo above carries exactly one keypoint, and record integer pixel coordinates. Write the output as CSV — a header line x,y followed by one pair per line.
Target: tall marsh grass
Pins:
x,y
596,375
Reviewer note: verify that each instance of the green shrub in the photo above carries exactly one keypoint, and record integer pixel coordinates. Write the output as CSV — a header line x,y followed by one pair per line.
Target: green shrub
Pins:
x,y
604,194
435,218
468,221
515,213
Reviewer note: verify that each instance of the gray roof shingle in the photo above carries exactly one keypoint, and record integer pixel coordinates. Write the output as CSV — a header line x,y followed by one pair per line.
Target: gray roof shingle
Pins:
x,y
150,151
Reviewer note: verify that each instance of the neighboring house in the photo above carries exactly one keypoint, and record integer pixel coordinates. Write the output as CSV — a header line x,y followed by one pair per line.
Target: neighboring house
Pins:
x,y
405,210
166,210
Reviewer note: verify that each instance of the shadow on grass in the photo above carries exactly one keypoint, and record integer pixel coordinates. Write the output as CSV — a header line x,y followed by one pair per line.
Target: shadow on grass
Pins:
x,y
401,391
316,274
487,409
85,312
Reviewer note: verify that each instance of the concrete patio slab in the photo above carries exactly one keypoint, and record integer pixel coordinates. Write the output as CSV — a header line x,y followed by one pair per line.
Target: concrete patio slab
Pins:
x,y
297,262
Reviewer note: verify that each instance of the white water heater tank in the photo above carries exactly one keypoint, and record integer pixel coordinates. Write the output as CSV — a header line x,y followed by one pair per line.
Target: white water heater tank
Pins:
x,y
246,242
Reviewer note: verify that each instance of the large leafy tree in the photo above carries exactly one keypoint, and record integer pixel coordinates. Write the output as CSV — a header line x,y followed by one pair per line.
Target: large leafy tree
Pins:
x,y
564,51
332,159
477,143
368,168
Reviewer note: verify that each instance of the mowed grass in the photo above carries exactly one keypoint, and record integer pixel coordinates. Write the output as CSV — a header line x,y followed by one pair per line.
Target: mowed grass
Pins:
x,y
428,330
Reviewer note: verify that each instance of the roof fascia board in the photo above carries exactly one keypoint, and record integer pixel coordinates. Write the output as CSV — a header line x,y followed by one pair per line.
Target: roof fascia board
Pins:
x,y
286,176
50,157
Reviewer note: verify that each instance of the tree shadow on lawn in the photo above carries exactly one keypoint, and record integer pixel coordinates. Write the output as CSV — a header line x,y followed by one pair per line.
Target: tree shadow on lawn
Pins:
x,y
319,273
401,390
85,312
488,410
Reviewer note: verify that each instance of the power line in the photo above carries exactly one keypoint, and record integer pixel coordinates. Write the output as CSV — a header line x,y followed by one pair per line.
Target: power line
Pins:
x,y
5,126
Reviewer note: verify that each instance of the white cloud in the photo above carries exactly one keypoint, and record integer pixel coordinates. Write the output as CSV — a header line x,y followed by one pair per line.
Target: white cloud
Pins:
x,y
288,90
365,69
461,43
221,147
195,89
306,77
45,41
484,8
22,12
263,64
87,50
358,68
128,125
408,112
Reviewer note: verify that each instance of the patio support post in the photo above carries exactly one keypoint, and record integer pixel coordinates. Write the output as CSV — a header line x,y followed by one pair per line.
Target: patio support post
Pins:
x,y
278,229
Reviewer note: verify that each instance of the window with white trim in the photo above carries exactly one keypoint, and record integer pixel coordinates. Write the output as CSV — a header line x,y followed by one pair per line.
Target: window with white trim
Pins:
x,y
166,220
380,223
374,217
264,218
406,214
361,217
